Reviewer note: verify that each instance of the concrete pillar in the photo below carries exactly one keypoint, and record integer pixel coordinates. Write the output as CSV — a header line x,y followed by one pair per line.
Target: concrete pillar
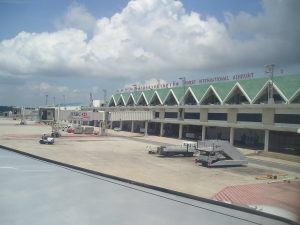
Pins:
x,y
203,115
231,139
102,128
161,129
132,126
180,131
180,114
121,124
232,115
266,147
203,133
146,128
161,114
268,116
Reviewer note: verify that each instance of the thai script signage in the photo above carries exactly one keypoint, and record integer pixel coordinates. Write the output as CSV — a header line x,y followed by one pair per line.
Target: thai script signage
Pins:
x,y
220,78
149,87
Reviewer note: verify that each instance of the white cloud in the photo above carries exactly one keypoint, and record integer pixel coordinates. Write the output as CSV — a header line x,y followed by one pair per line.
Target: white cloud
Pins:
x,y
155,38
44,87
31,53
271,35
78,17
40,89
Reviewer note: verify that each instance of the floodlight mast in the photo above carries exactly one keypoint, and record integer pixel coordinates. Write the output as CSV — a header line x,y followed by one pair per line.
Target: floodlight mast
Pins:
x,y
46,99
64,96
269,69
104,96
183,79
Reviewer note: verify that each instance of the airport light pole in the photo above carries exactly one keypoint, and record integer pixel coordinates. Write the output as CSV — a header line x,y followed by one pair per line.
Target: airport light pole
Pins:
x,y
64,101
46,99
104,96
183,79
181,114
269,69
134,91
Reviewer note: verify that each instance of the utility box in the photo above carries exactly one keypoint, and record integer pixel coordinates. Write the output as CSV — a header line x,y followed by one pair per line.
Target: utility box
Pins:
x,y
88,130
78,130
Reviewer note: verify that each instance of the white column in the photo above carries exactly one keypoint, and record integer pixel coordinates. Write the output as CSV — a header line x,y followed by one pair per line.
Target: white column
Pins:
x,y
102,128
231,135
180,131
266,148
161,129
132,126
203,133
146,128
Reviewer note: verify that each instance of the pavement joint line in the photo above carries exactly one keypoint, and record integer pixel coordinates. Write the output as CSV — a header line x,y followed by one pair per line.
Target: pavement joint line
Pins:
x,y
260,162
152,187
168,198
276,165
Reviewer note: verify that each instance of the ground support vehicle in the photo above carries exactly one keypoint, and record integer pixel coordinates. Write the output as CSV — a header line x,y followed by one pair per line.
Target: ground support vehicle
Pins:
x,y
219,153
46,139
187,149
55,129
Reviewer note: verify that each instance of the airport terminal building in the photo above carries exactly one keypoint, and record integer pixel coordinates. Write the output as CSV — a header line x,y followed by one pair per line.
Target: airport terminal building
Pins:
x,y
257,113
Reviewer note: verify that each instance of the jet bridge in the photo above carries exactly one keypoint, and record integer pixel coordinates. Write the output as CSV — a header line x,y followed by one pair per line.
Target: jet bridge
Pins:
x,y
219,153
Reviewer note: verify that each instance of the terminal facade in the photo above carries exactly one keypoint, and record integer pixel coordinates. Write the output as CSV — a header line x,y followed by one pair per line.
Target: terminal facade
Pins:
x,y
257,113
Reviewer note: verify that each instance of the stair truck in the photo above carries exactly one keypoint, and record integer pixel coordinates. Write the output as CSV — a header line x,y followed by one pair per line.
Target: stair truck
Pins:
x,y
215,153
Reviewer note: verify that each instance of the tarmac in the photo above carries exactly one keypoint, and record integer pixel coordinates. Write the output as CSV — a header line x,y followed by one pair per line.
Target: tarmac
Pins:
x,y
35,192
125,154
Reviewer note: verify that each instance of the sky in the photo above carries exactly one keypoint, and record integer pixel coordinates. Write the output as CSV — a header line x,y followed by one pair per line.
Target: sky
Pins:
x,y
68,49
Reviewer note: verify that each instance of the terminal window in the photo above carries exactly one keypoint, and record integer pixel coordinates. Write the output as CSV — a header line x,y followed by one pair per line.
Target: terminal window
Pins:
x,y
287,118
217,116
249,117
172,115
195,116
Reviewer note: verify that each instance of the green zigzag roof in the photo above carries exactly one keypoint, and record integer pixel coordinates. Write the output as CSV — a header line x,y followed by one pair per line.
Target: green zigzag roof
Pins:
x,y
179,92
199,90
223,88
136,96
117,97
252,87
163,93
287,84
126,97
148,94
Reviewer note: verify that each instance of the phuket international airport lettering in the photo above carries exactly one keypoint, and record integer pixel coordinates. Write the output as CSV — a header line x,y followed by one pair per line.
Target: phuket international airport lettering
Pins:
x,y
158,85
